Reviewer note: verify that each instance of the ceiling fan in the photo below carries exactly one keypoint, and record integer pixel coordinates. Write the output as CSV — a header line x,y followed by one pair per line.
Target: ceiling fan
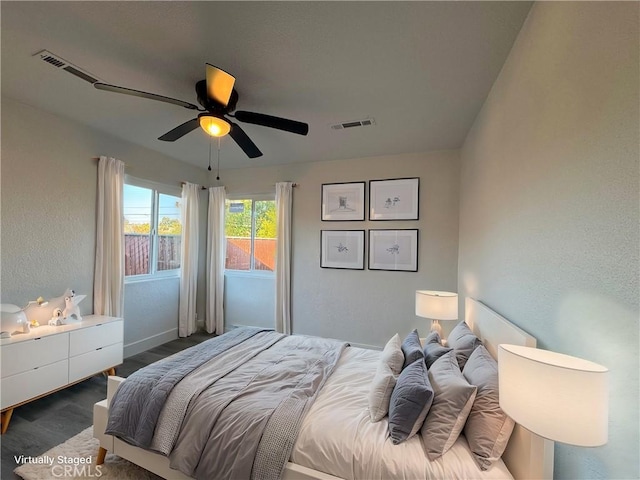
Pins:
x,y
218,99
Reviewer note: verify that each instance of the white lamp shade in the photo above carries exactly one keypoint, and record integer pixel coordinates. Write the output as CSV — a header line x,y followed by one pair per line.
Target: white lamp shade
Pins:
x,y
556,396
437,305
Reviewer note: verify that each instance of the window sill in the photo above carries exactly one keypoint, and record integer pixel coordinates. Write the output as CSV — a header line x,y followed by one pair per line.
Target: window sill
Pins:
x,y
249,273
151,278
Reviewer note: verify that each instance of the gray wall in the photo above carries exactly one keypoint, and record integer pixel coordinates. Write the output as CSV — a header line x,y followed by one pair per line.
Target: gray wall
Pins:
x,y
364,307
549,208
48,234
249,299
48,217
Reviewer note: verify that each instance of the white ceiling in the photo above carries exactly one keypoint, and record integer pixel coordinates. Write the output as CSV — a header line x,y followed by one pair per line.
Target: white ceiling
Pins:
x,y
421,69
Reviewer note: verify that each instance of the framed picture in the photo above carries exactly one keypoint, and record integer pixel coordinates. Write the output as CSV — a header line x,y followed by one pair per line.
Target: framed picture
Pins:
x,y
343,201
393,250
342,249
395,199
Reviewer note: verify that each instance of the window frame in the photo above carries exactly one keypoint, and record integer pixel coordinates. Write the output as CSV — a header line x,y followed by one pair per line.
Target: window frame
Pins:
x,y
252,272
157,189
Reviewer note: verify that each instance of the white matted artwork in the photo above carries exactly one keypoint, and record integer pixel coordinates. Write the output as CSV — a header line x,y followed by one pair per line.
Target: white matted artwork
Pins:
x,y
343,201
393,250
342,249
395,199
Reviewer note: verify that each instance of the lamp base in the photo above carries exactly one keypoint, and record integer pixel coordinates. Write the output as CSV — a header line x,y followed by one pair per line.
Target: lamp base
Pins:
x,y
436,327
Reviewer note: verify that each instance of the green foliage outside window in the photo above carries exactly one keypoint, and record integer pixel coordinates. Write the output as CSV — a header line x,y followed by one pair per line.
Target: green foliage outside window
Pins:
x,y
169,226
238,224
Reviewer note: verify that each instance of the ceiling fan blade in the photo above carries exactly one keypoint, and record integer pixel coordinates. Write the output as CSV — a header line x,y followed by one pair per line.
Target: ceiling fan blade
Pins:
x,y
139,93
273,122
244,142
180,130
219,84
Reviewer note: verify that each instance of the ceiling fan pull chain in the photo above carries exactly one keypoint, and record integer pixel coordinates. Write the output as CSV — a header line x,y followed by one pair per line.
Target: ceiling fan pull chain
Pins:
x,y
218,174
209,154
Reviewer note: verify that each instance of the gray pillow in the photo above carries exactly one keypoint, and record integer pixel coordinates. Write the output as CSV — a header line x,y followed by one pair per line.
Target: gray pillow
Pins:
x,y
453,399
410,402
463,341
488,428
412,349
433,337
433,351
392,354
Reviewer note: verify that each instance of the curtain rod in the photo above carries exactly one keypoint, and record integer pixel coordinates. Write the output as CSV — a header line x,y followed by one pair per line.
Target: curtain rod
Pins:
x,y
98,158
204,188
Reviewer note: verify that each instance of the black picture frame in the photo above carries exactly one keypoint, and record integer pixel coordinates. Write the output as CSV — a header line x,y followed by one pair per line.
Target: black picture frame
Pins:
x,y
394,199
394,250
343,202
343,249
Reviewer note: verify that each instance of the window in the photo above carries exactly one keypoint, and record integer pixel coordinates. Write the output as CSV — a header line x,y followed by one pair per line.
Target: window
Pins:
x,y
152,229
250,228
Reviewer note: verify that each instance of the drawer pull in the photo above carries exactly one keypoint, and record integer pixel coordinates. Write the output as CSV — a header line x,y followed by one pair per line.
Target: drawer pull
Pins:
x,y
99,348
98,324
38,338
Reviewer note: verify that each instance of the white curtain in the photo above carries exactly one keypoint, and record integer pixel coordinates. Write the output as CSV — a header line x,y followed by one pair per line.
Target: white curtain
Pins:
x,y
284,200
108,282
216,246
189,260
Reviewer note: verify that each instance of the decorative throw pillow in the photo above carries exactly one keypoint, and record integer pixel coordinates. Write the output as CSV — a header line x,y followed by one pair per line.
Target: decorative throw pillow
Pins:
x,y
384,381
392,354
453,399
410,402
488,428
412,349
433,337
382,387
433,351
463,341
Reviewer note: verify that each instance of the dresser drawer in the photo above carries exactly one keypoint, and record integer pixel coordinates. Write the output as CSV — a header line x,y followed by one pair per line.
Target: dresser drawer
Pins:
x,y
37,352
90,338
38,381
94,362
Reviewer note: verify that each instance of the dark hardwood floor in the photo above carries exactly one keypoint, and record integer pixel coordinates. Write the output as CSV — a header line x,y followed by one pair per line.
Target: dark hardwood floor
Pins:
x,y
40,425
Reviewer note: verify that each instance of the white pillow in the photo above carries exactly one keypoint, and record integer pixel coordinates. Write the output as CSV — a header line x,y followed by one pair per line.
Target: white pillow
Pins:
x,y
384,381
452,403
392,354
380,393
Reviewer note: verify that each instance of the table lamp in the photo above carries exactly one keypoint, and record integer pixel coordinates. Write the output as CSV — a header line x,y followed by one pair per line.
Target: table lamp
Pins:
x,y
556,396
436,306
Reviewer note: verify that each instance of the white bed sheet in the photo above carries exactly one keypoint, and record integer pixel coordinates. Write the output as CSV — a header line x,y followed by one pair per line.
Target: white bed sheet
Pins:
x,y
337,436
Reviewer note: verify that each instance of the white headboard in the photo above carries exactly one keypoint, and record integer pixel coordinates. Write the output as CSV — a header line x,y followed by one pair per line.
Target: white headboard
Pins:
x,y
527,456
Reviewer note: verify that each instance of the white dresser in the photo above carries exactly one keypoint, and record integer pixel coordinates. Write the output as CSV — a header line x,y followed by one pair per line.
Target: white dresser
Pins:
x,y
51,358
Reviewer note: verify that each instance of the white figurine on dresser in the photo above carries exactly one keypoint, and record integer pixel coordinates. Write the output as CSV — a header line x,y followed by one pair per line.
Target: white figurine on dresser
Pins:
x,y
71,307
57,318
12,319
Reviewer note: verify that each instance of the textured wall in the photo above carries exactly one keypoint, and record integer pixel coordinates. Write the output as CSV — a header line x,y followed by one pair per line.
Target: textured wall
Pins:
x,y
549,208
48,209
364,307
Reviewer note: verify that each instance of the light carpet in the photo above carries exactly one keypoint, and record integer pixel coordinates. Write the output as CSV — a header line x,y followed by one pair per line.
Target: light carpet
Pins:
x,y
81,446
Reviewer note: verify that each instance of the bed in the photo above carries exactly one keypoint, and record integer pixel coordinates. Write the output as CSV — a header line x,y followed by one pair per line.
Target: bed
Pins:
x,y
336,440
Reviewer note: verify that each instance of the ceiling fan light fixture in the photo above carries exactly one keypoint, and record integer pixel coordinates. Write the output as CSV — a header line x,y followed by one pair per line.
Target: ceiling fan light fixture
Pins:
x,y
214,126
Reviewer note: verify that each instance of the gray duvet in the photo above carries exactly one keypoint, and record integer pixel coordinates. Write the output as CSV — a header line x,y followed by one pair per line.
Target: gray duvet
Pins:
x,y
234,415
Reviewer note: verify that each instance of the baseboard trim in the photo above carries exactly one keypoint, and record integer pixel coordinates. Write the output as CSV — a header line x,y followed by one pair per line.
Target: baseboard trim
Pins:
x,y
145,344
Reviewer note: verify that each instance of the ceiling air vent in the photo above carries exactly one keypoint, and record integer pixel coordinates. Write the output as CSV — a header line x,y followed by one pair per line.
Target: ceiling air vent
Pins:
x,y
365,122
59,62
